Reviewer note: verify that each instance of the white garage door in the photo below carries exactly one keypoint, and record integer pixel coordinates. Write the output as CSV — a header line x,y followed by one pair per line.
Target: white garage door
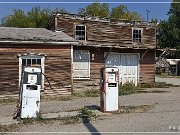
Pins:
x,y
127,64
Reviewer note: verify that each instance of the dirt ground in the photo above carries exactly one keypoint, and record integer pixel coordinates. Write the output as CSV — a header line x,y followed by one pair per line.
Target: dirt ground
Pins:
x,y
164,117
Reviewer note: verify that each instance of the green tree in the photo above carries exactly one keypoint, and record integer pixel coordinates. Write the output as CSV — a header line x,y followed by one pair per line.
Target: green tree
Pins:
x,y
95,9
35,18
174,21
165,35
168,32
38,18
17,19
154,20
102,10
122,12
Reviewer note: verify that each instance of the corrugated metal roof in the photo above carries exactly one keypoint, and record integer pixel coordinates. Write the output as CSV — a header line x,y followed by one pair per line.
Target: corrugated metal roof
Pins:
x,y
33,34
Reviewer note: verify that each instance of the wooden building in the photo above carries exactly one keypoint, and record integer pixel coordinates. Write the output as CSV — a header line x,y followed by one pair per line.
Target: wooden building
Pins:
x,y
74,49
128,45
35,46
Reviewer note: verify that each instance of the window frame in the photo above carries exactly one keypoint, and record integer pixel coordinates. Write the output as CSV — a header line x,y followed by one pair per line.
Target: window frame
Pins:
x,y
32,57
135,42
82,78
75,36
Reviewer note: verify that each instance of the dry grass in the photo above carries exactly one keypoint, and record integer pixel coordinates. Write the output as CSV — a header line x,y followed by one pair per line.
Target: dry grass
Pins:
x,y
134,109
56,98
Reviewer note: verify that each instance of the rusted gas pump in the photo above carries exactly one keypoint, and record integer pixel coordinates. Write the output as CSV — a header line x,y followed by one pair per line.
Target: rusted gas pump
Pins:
x,y
109,93
30,92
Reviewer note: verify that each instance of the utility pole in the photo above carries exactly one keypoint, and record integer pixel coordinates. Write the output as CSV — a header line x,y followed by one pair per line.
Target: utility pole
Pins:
x,y
147,15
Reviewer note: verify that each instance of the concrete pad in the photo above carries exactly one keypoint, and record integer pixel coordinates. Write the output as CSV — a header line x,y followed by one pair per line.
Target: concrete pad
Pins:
x,y
60,114
8,121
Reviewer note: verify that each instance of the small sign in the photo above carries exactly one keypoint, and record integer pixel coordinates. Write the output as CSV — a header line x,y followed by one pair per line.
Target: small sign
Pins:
x,y
32,79
111,77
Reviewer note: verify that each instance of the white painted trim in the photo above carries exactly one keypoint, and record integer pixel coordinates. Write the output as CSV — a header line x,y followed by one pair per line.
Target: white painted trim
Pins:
x,y
43,70
20,70
88,66
42,65
136,28
139,70
72,62
75,31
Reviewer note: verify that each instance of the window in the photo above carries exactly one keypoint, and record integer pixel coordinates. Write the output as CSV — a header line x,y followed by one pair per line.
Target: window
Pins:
x,y
137,35
81,64
30,60
80,32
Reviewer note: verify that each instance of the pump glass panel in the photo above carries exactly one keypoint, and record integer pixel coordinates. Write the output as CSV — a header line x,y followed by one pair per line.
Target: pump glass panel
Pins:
x,y
32,79
111,77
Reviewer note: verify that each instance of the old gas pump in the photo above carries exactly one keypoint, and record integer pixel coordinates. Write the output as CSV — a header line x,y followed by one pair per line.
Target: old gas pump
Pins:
x,y
109,89
30,92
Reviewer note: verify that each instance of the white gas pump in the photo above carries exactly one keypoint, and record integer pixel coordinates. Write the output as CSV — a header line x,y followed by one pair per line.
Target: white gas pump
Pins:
x,y
109,89
30,92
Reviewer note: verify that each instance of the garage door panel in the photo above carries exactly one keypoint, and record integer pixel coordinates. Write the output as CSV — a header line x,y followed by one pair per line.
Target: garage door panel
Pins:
x,y
127,64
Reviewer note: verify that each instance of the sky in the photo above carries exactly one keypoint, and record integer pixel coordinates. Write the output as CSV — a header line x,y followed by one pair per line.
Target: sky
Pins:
x,y
157,8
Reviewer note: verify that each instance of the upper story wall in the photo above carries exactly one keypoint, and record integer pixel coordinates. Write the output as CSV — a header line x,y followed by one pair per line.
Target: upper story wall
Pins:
x,y
106,32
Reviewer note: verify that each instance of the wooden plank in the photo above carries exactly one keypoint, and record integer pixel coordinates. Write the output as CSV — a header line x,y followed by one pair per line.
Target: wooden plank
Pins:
x,y
57,67
102,32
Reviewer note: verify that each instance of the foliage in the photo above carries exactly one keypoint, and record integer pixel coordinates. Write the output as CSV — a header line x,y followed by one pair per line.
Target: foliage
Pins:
x,y
169,31
95,9
154,20
8,100
87,115
102,10
35,18
130,88
122,12
88,93
38,17
69,119
56,98
126,89
165,35
157,85
174,20
134,109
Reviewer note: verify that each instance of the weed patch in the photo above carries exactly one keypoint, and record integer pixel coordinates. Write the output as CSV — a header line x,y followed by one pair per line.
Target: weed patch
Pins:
x,y
127,88
157,85
87,93
6,100
8,128
134,109
87,115
69,119
56,98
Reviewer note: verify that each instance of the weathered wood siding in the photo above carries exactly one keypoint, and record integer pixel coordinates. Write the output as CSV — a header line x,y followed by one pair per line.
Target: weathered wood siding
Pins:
x,y
108,33
57,67
146,74
147,68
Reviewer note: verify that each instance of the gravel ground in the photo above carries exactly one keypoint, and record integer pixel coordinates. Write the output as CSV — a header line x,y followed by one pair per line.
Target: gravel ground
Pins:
x,y
165,114
175,81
